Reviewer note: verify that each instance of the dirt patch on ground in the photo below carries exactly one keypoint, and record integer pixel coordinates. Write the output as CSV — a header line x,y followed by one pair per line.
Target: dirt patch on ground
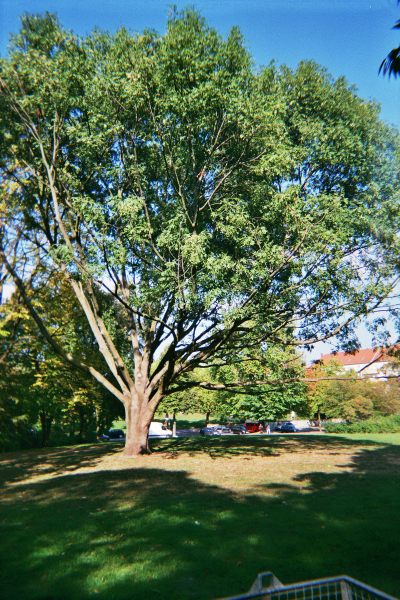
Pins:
x,y
239,469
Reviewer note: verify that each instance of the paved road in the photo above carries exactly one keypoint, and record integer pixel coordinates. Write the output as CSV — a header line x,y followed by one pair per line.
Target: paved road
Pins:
x,y
307,431
187,432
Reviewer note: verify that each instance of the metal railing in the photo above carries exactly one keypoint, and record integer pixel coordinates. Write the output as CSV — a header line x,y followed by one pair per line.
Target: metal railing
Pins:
x,y
342,587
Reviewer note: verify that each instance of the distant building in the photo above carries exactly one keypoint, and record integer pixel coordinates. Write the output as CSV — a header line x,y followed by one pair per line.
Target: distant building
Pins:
x,y
372,361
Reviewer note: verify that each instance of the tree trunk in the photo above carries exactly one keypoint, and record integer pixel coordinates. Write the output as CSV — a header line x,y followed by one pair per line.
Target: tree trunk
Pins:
x,y
45,422
174,425
99,425
207,418
81,424
137,418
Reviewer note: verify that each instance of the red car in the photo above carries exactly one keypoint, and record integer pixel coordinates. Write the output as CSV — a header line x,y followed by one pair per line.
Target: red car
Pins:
x,y
253,426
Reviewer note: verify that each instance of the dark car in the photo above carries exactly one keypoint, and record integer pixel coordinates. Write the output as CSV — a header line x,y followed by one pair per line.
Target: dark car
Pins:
x,y
288,428
114,434
215,430
210,431
278,427
224,430
239,429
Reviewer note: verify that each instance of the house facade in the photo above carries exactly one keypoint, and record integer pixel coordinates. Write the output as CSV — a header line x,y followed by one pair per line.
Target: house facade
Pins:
x,y
372,361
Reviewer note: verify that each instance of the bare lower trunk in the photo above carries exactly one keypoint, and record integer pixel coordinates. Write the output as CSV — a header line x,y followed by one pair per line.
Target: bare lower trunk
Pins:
x,y
99,425
45,421
174,425
81,424
138,418
207,418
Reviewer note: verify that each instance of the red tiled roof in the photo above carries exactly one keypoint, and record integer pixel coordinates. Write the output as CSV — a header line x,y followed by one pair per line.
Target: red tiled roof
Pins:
x,y
361,357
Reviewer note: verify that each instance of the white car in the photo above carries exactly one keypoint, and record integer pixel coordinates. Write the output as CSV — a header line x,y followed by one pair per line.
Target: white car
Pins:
x,y
159,430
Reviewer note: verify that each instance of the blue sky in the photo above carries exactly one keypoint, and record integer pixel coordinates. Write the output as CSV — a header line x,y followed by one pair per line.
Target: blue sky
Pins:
x,y
348,37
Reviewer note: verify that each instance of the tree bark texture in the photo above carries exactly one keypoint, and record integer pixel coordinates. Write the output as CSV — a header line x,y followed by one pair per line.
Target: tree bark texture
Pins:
x,y
45,421
138,417
174,425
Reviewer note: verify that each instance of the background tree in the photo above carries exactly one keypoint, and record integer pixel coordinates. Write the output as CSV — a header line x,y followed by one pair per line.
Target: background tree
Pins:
x,y
197,399
318,392
386,398
349,398
18,408
264,402
191,203
36,384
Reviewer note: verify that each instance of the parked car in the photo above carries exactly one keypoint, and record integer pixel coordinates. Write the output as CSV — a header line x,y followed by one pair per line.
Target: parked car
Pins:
x,y
252,426
159,430
215,430
224,430
288,428
278,427
114,434
155,430
239,429
210,431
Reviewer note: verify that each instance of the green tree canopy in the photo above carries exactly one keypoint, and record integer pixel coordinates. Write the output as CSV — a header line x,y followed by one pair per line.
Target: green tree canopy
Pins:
x,y
195,206
352,397
262,402
35,383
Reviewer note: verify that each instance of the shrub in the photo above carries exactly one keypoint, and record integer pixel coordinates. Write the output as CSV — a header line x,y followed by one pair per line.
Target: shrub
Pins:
x,y
18,439
374,425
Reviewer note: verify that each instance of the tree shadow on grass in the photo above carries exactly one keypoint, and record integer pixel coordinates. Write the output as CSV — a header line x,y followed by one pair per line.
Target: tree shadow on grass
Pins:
x,y
21,466
257,445
151,533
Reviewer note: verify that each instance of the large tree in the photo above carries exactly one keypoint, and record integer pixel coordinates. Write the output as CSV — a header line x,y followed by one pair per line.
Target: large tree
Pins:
x,y
193,204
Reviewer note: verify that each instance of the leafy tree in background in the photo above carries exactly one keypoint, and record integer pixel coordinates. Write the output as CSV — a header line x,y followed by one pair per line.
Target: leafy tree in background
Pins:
x,y
386,398
18,406
18,409
193,205
36,384
318,392
349,398
264,402
197,399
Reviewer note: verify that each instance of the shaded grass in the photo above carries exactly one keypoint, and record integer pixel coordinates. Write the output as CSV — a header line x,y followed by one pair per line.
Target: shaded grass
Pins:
x,y
200,517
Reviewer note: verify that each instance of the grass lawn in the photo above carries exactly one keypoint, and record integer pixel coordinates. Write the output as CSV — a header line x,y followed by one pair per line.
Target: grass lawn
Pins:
x,y
199,518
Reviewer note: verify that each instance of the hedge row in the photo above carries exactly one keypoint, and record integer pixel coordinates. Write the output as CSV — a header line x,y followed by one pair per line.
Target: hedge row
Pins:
x,y
375,425
23,439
